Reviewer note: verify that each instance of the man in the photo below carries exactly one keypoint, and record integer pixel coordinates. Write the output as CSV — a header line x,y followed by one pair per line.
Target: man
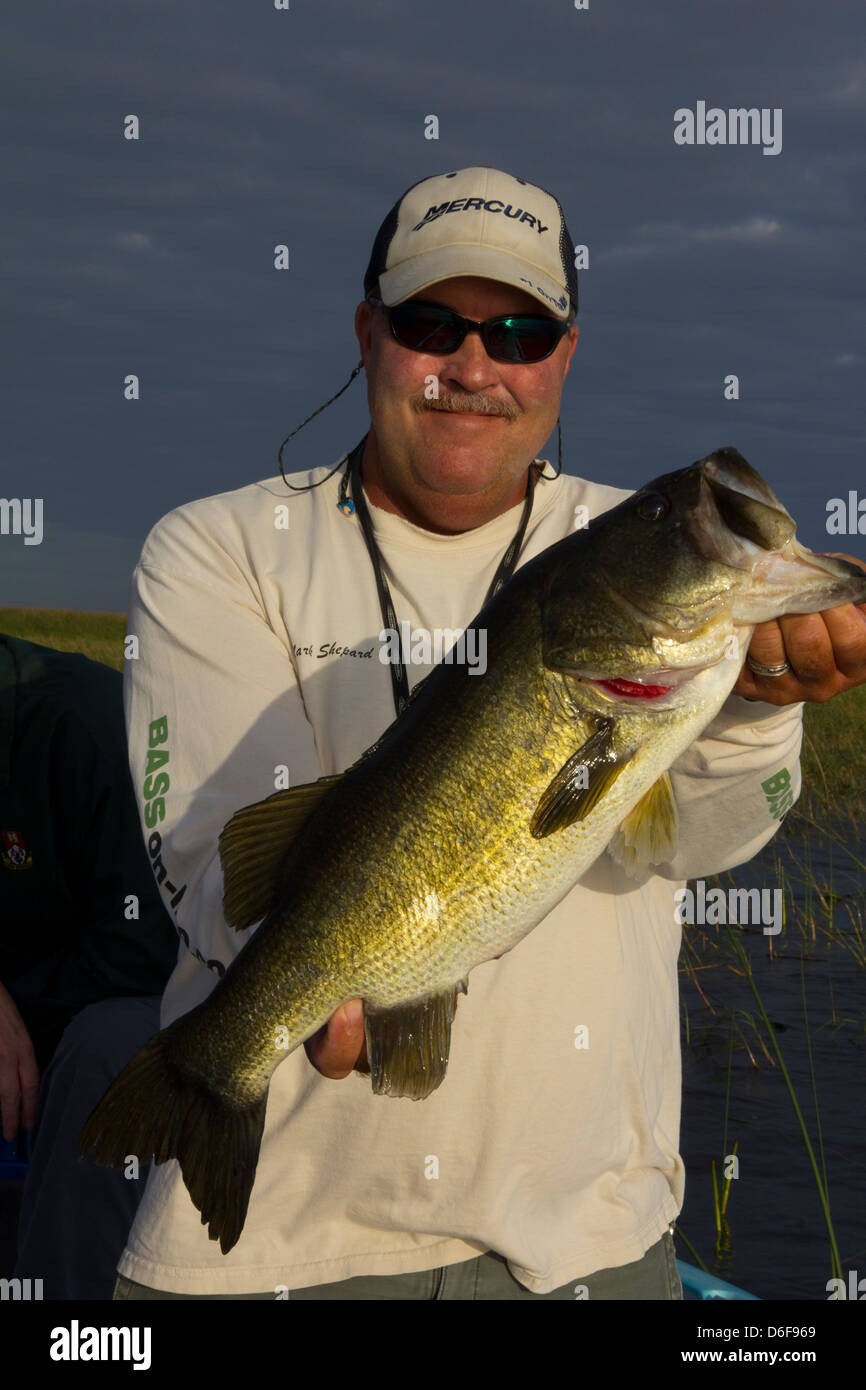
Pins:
x,y
534,1167
83,932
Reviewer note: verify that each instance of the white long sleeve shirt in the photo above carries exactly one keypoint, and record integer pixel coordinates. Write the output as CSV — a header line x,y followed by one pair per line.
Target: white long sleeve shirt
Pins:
x,y
258,652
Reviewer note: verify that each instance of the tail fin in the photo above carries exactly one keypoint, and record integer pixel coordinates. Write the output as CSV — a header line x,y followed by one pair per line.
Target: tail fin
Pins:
x,y
157,1107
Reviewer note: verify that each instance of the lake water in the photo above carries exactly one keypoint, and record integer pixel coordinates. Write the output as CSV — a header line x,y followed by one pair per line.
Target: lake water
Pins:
x,y
778,1246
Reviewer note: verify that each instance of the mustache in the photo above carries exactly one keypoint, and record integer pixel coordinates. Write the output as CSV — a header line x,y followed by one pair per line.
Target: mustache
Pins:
x,y
456,402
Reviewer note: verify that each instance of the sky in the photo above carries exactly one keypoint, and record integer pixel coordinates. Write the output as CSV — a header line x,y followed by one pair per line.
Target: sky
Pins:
x,y
302,126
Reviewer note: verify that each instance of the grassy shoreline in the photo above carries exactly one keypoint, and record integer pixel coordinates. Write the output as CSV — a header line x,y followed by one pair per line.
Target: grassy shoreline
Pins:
x,y
97,635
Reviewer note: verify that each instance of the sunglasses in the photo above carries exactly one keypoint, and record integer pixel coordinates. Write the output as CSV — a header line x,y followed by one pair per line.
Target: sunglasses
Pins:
x,y
432,328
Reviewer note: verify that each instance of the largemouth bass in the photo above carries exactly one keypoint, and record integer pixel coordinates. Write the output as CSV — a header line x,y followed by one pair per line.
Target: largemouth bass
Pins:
x,y
473,815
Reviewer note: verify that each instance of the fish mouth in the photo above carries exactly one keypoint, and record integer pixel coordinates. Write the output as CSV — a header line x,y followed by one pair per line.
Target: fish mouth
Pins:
x,y
635,690
654,688
740,521
738,514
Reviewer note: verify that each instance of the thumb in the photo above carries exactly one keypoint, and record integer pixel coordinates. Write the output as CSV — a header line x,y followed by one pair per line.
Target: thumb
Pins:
x,y
335,1049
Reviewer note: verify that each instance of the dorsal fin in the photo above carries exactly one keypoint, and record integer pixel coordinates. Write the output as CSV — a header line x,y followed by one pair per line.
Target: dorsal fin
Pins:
x,y
254,843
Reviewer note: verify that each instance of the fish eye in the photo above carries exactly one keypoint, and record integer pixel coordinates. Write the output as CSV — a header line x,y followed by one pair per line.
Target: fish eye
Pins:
x,y
653,507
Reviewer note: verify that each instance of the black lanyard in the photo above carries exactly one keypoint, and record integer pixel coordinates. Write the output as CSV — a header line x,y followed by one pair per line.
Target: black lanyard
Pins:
x,y
507,564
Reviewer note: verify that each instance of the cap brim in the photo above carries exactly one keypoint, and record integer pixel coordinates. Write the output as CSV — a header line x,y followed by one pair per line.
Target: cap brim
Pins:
x,y
449,262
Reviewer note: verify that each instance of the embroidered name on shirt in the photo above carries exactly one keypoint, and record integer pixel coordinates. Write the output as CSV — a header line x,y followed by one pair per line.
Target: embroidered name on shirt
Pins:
x,y
332,649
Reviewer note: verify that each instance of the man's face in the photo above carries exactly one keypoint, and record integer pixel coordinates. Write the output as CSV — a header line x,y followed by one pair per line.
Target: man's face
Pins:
x,y
434,459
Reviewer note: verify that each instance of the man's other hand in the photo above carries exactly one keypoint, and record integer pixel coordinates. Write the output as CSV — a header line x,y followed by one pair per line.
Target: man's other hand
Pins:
x,y
19,1074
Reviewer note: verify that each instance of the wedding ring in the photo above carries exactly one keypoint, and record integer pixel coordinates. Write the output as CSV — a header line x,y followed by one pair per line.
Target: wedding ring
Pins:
x,y
760,670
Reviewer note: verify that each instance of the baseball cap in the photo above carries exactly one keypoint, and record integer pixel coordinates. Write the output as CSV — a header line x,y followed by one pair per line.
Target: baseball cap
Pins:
x,y
477,221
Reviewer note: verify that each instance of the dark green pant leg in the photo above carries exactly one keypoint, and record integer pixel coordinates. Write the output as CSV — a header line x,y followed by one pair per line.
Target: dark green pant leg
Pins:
x,y
652,1277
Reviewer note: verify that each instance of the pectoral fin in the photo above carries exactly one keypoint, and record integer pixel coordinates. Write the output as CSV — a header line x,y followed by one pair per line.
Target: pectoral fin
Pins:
x,y
408,1045
649,833
253,845
579,785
